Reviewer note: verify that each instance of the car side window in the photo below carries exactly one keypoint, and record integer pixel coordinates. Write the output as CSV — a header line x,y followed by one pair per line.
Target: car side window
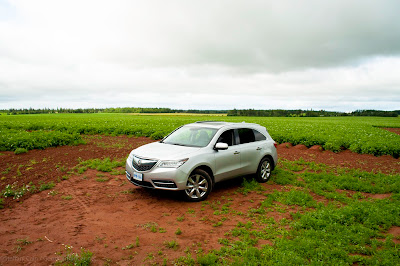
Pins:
x,y
227,137
246,135
258,136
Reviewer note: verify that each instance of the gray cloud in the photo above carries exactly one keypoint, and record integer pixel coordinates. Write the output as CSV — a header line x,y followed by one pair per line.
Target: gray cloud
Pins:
x,y
200,54
267,35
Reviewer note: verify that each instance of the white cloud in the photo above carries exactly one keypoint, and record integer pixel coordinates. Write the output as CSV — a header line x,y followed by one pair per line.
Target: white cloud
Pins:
x,y
339,55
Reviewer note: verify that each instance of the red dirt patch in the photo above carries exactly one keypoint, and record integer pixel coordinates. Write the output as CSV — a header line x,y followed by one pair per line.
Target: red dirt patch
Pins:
x,y
395,231
316,148
285,145
394,130
300,147
51,164
105,213
347,158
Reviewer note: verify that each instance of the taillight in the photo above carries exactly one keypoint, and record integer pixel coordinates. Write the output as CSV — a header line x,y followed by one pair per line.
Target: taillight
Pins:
x,y
276,145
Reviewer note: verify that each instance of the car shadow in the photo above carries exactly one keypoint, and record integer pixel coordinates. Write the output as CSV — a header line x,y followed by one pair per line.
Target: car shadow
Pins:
x,y
226,186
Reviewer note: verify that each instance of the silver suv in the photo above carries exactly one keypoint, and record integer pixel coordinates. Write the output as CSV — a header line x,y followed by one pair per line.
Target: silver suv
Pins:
x,y
196,156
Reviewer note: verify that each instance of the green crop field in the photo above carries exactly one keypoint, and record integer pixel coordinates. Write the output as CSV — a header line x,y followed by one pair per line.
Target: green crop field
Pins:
x,y
359,134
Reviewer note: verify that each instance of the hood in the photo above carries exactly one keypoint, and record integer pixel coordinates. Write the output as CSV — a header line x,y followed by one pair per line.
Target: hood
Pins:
x,y
163,151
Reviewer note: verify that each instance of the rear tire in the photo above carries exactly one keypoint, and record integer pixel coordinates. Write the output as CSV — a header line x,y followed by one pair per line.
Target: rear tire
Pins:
x,y
198,186
264,170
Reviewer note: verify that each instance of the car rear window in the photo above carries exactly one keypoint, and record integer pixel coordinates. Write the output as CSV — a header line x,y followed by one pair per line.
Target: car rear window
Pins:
x,y
258,136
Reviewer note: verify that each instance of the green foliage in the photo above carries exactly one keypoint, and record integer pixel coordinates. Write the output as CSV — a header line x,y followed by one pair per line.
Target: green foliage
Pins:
x,y
293,197
130,246
20,141
105,165
178,232
20,150
25,241
351,229
67,197
283,177
359,134
352,179
173,244
308,113
185,260
83,258
45,186
12,190
250,185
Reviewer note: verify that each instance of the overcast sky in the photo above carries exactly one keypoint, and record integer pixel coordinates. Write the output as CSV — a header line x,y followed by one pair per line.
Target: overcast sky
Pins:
x,y
339,55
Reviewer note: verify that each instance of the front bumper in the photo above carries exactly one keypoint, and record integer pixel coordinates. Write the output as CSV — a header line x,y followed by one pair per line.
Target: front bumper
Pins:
x,y
158,178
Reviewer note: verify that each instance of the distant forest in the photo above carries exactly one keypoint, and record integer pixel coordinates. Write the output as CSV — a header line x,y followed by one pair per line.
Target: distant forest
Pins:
x,y
234,112
310,113
109,110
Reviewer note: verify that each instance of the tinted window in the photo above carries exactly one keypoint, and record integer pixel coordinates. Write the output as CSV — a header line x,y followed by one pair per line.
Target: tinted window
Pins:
x,y
226,137
258,135
246,135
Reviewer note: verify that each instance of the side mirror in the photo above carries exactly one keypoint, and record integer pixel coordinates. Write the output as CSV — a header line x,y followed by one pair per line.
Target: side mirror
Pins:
x,y
221,146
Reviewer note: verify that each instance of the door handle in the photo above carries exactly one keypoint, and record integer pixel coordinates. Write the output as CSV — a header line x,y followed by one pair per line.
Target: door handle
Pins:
x,y
236,152
258,148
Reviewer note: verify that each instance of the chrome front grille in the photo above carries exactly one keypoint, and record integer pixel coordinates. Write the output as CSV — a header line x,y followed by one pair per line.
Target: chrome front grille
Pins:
x,y
141,164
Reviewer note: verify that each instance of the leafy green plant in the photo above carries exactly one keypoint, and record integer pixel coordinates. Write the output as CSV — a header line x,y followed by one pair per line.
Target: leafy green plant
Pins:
x,y
359,134
178,232
20,150
12,190
217,224
24,241
248,186
130,246
83,258
45,186
105,165
173,244
67,197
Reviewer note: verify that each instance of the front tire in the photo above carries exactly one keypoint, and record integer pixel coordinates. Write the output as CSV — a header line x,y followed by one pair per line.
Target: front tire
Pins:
x,y
198,186
264,170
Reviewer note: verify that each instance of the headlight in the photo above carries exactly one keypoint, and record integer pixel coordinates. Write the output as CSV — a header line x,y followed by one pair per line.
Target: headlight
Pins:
x,y
172,164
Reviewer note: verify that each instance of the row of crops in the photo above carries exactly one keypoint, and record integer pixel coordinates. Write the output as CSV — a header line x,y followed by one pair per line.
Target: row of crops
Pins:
x,y
359,134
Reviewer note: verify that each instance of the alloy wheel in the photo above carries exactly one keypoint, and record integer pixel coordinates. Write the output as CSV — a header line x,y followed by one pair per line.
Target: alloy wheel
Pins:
x,y
196,187
265,170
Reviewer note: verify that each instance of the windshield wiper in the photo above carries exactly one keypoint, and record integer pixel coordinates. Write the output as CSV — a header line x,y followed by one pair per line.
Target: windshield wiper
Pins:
x,y
177,144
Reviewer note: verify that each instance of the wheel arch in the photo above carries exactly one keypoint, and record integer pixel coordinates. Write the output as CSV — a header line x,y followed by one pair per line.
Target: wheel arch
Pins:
x,y
206,169
271,159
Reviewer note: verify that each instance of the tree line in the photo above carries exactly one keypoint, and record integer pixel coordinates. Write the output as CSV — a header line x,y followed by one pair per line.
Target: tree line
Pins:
x,y
13,111
309,113
234,112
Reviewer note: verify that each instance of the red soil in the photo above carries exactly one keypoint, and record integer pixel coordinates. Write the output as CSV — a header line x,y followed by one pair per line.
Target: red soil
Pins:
x,y
393,129
367,162
105,217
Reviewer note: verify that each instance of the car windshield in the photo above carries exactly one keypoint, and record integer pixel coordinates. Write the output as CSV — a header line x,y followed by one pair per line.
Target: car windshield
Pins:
x,y
191,136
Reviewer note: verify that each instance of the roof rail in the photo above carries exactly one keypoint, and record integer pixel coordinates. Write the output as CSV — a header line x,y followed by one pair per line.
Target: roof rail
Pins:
x,y
206,121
